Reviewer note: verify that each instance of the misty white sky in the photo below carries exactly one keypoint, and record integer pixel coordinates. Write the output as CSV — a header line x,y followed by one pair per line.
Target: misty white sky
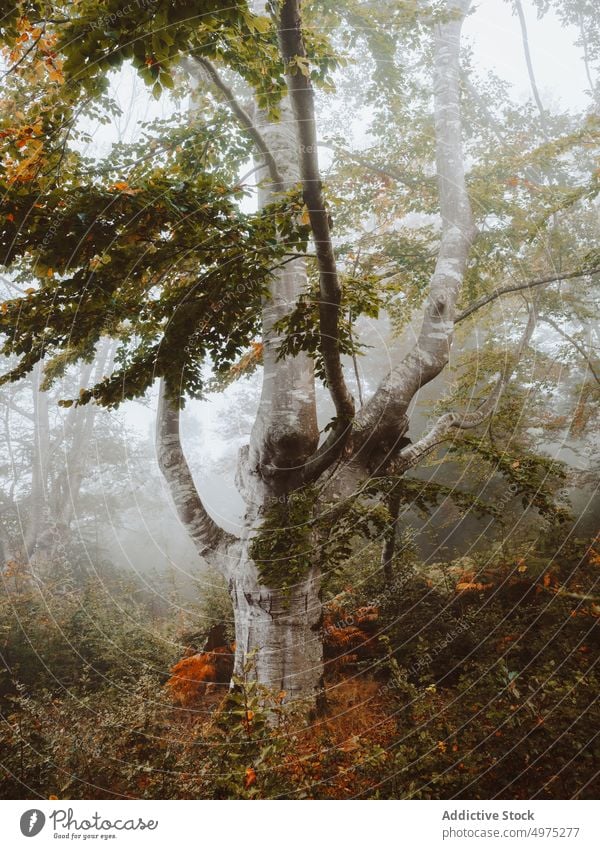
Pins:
x,y
494,35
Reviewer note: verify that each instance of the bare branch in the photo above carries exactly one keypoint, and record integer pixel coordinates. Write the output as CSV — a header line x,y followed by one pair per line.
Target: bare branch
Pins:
x,y
414,453
530,71
10,404
204,531
192,66
520,287
579,348
586,54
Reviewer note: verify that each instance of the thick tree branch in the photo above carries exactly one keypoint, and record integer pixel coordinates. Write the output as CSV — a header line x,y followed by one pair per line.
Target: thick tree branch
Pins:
x,y
204,531
193,66
520,287
414,453
382,422
302,98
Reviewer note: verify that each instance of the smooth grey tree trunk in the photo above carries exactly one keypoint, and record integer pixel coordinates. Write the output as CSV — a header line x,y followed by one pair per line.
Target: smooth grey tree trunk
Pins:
x,y
279,631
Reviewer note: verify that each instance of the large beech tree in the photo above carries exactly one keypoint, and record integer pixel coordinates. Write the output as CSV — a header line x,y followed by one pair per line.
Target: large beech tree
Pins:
x,y
153,249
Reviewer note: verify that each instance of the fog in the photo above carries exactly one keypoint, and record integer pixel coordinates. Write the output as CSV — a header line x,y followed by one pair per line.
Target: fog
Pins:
x,y
132,523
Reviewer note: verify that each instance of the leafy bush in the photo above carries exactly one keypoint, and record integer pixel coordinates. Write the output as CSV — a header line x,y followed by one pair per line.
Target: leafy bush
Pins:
x,y
64,637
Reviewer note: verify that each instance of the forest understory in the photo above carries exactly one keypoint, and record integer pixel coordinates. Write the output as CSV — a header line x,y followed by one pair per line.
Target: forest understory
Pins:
x,y
456,681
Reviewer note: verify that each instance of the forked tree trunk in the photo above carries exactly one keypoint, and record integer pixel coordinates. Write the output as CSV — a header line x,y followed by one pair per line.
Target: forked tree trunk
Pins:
x,y
280,629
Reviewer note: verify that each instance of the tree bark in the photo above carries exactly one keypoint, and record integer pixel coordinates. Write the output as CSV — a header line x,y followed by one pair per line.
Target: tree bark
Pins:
x,y
203,530
285,432
301,95
39,466
529,63
279,632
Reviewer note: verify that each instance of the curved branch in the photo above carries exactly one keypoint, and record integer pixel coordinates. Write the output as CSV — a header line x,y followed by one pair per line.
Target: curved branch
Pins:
x,y
382,422
586,54
530,71
414,453
204,531
301,94
579,348
519,287
192,67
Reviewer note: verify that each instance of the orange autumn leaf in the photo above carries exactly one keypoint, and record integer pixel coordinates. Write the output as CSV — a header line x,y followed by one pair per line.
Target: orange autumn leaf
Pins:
x,y
188,677
250,777
467,586
191,675
56,75
124,187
